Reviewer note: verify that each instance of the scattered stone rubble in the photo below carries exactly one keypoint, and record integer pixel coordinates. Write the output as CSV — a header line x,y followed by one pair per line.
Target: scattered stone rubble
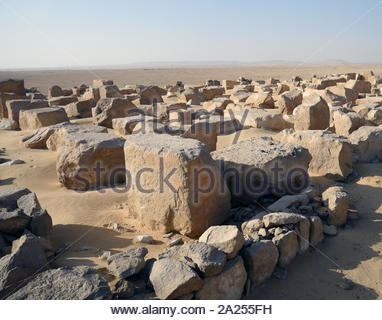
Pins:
x,y
237,238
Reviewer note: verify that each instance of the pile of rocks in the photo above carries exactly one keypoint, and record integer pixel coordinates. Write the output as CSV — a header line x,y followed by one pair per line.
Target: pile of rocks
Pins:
x,y
166,139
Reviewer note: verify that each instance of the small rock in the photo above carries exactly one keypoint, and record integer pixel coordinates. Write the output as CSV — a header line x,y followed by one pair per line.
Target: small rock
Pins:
x,y
330,230
11,163
128,263
105,255
123,289
175,242
145,239
168,235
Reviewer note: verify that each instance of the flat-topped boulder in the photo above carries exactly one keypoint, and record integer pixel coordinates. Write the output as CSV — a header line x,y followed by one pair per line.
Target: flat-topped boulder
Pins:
x,y
345,122
211,92
38,118
249,167
90,160
12,86
151,94
80,109
62,101
126,125
182,189
289,100
62,130
15,106
66,283
312,114
331,154
108,109
4,97
361,86
260,100
367,143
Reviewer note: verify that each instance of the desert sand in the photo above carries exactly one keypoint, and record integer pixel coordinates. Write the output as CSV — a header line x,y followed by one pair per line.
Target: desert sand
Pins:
x,y
354,253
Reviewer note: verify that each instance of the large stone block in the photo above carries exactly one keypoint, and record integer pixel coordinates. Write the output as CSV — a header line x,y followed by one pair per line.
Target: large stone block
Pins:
x,y
108,109
312,114
38,118
90,160
262,166
331,154
181,188
15,106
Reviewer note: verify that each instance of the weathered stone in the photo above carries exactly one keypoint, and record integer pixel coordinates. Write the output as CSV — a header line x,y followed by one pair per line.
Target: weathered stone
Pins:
x,y
123,289
312,114
126,264
331,154
14,221
172,279
101,82
8,124
29,203
250,227
316,230
330,230
347,122
192,94
367,142
81,153
194,199
67,283
38,118
151,94
240,96
228,285
4,97
288,201
12,86
260,100
27,258
361,86
249,167
109,91
108,109
62,101
127,125
80,109
38,138
303,234
338,204
228,239
14,107
260,260
276,219
208,259
288,101
41,223
56,139
288,247
212,92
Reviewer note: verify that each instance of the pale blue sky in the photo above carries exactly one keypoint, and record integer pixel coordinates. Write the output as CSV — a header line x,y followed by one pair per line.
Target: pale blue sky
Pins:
x,y
43,33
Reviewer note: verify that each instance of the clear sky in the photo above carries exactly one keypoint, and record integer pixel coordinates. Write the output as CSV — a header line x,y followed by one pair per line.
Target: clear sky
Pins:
x,y
42,33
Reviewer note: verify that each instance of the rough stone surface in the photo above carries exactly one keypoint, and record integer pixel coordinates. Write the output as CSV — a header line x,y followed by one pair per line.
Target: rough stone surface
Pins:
x,y
312,114
110,108
67,283
338,204
367,143
228,285
288,101
249,168
331,154
228,239
172,279
288,246
126,264
14,107
38,118
208,259
260,260
80,153
179,205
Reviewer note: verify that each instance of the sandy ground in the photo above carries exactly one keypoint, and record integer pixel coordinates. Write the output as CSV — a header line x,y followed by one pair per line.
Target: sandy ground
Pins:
x,y
162,76
316,275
